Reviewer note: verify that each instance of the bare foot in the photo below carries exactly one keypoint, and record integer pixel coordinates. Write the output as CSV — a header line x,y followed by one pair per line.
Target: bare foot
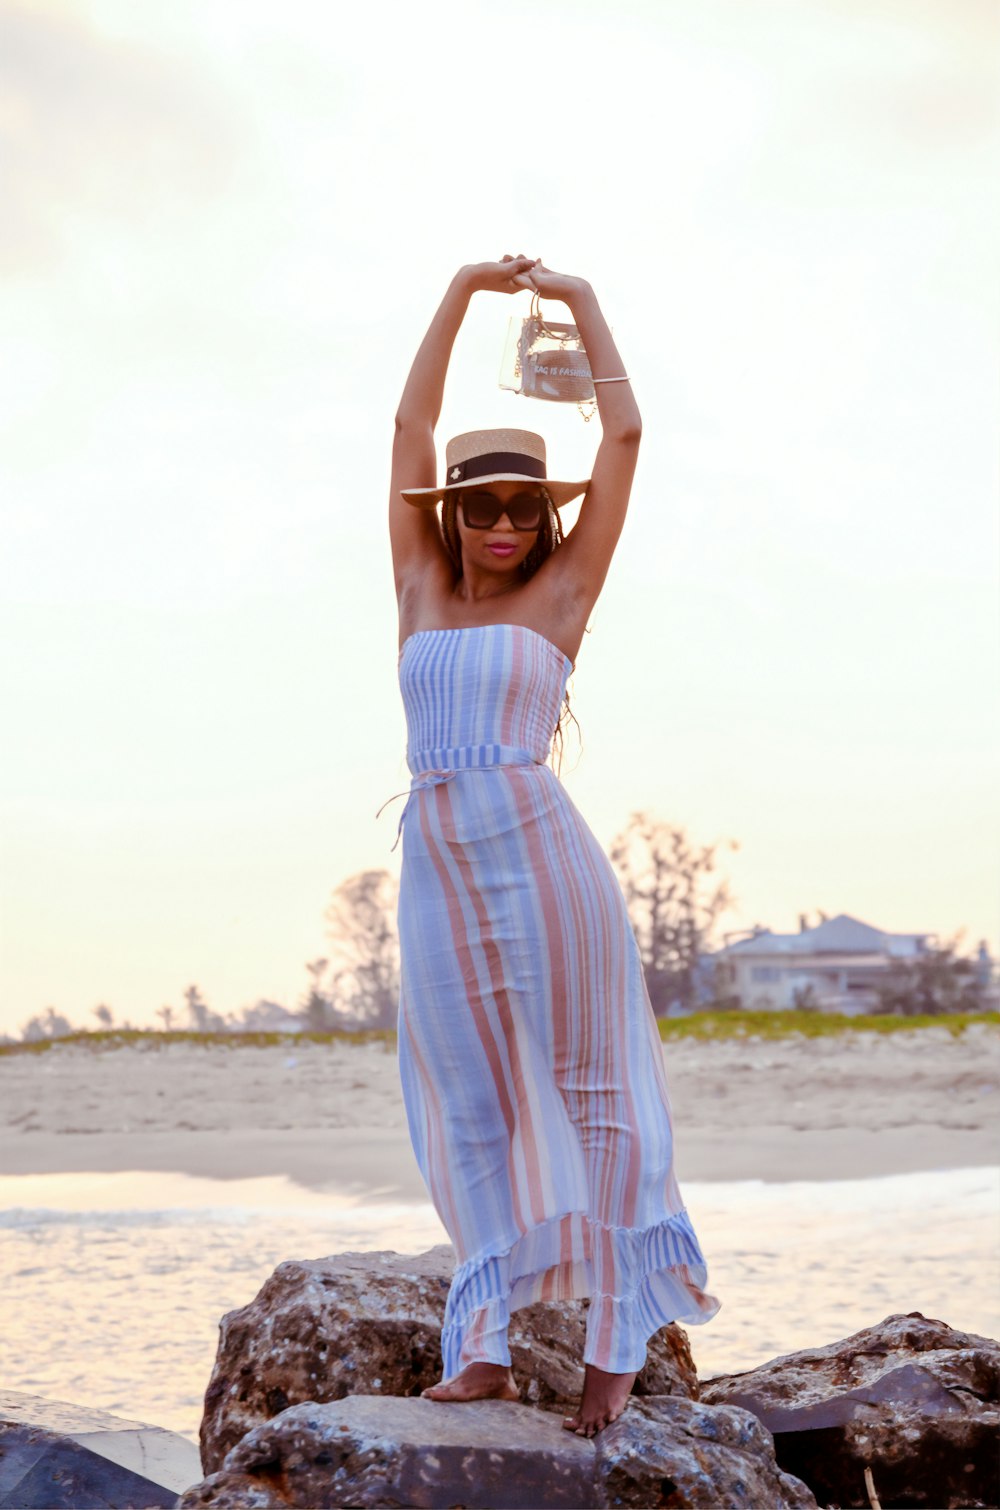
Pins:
x,y
604,1398
477,1381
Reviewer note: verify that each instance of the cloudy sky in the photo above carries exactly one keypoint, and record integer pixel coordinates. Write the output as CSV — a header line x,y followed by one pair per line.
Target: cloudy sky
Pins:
x,y
225,229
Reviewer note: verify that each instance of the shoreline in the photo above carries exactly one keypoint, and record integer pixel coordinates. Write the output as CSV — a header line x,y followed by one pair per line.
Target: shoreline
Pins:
x,y
378,1166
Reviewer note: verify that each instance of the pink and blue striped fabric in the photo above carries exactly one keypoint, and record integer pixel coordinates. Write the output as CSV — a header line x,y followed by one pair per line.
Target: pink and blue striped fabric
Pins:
x,y
530,1062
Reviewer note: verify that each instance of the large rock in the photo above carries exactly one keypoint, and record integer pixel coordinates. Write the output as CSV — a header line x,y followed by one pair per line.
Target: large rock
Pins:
x,y
668,1451
54,1453
911,1398
367,1451
370,1323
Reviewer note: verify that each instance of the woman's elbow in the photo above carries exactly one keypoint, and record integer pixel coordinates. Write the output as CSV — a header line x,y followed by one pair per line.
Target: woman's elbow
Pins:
x,y
628,432
412,424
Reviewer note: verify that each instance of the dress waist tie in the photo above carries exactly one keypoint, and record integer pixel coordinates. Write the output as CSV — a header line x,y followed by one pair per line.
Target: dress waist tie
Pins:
x,y
435,776
426,778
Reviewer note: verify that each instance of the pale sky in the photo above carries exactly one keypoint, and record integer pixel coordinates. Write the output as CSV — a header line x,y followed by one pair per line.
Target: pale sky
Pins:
x,y
225,229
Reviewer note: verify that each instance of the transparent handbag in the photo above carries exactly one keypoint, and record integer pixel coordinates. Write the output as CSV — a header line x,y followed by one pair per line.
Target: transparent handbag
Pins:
x,y
547,360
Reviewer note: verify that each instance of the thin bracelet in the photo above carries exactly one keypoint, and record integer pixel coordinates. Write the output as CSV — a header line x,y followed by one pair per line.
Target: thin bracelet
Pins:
x,y
611,380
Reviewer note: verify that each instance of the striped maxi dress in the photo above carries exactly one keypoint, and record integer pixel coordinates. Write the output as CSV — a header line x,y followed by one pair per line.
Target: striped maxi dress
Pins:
x,y
530,1062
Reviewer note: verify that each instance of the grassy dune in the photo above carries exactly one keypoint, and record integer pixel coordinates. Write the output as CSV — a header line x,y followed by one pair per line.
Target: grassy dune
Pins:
x,y
782,1024
700,1025
152,1038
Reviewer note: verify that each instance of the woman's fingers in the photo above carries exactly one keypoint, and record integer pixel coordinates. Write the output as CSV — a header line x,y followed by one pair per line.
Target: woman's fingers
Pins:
x,y
525,267
517,270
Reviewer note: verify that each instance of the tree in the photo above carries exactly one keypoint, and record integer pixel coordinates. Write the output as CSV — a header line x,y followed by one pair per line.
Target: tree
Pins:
x,y
202,1019
104,1015
167,1014
318,1009
52,1025
663,877
931,983
362,918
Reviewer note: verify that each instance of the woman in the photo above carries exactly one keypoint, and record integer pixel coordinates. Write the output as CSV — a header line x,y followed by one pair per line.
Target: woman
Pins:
x,y
530,1060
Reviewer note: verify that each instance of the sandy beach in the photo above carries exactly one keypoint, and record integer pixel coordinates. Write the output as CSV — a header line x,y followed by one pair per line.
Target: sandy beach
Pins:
x,y
331,1116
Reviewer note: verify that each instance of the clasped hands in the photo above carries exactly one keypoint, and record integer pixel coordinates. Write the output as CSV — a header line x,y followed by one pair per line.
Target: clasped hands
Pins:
x,y
511,274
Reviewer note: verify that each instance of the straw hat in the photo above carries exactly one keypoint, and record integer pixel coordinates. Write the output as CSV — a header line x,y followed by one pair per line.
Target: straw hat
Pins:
x,y
482,456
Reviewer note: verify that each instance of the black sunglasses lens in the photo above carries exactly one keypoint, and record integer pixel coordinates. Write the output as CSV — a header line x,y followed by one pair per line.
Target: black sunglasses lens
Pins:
x,y
525,511
481,511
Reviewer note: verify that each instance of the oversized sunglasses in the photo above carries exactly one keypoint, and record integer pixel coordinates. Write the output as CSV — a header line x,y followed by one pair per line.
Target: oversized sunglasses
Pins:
x,y
482,510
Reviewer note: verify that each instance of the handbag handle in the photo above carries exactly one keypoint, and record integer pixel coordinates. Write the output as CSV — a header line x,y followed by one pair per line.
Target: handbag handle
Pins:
x,y
536,314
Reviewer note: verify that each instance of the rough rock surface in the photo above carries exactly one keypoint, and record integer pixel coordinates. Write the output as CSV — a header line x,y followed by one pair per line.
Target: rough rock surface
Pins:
x,y
54,1453
369,1451
668,1451
911,1398
233,1491
370,1323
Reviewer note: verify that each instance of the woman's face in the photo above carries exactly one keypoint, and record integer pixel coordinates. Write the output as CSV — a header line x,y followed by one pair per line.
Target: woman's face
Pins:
x,y
502,548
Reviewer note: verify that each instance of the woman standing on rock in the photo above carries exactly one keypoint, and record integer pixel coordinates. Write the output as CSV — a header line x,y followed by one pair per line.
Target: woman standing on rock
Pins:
x,y
530,1060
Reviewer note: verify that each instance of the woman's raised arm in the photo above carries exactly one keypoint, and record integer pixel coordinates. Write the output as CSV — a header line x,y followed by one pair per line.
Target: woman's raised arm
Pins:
x,y
414,533
581,564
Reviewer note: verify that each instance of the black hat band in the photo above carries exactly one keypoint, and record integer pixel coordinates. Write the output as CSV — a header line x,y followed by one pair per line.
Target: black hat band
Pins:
x,y
493,462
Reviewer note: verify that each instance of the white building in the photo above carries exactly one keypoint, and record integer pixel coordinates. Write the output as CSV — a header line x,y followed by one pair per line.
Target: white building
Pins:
x,y
841,958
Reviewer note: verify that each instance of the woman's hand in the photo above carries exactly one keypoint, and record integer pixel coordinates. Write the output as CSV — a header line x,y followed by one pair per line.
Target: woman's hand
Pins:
x,y
507,276
550,285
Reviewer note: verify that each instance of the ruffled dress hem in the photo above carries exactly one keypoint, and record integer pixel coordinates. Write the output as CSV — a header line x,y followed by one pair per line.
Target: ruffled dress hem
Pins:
x,y
662,1267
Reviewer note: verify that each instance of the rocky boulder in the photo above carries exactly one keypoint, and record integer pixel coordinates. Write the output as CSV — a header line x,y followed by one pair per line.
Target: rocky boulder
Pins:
x,y
370,1324
668,1451
54,1453
366,1451
910,1398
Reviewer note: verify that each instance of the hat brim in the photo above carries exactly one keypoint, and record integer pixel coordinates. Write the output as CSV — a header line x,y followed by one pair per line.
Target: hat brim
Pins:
x,y
560,492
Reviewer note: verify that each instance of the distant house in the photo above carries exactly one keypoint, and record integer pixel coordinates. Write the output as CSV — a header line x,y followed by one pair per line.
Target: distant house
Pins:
x,y
841,959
